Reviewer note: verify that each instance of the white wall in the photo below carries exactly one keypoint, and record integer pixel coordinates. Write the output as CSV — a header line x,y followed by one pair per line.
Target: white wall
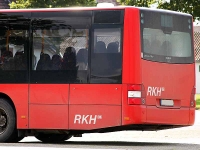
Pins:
x,y
197,78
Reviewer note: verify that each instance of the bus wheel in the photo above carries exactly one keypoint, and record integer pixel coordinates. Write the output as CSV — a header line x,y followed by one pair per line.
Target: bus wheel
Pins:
x,y
67,137
7,121
50,138
16,139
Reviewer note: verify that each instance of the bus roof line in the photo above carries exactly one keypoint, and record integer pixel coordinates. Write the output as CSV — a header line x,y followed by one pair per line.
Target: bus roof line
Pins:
x,y
89,8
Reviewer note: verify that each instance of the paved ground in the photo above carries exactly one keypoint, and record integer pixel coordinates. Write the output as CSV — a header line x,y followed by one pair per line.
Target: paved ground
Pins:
x,y
173,139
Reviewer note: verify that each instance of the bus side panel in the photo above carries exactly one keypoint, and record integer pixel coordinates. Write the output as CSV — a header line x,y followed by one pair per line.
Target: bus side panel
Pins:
x,y
19,95
167,116
192,116
132,114
95,94
48,116
87,117
49,93
131,47
93,106
48,106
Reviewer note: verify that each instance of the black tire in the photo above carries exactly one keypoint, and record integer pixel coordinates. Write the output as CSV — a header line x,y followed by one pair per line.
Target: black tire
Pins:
x,y
67,137
51,138
15,138
7,121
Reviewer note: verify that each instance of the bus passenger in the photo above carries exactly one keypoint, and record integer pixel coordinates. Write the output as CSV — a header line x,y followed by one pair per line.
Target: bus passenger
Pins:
x,y
69,59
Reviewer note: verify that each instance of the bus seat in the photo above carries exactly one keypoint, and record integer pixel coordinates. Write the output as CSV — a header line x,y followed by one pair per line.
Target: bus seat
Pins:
x,y
100,47
20,61
9,64
69,59
167,48
155,47
82,59
56,62
44,63
112,47
7,60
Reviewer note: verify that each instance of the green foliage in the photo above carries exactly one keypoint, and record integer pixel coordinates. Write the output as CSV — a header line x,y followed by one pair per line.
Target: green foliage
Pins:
x,y
197,97
138,3
50,3
198,103
192,7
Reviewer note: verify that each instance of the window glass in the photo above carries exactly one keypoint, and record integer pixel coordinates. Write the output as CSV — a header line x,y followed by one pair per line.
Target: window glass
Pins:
x,y
14,33
13,55
113,16
60,49
166,37
176,44
111,38
106,57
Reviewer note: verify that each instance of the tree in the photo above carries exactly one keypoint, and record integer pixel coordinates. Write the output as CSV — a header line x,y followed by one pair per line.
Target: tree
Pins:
x,y
139,3
188,6
50,3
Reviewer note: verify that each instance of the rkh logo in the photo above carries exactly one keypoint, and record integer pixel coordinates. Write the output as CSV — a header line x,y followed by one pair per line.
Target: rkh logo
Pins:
x,y
155,91
86,119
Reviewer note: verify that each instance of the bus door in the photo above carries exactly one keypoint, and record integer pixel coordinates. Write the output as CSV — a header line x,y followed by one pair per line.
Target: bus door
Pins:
x,y
59,50
97,102
49,81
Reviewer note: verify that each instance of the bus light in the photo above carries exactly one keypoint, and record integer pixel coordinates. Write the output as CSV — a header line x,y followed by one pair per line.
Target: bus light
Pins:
x,y
136,95
134,101
134,87
192,98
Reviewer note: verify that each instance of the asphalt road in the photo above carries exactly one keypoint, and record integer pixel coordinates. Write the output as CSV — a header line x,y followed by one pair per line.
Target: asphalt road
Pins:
x,y
186,138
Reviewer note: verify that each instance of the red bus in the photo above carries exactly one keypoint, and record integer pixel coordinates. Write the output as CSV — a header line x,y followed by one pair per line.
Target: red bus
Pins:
x,y
66,72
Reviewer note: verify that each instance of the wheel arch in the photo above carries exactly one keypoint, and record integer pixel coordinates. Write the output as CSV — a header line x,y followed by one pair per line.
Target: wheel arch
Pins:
x,y
9,100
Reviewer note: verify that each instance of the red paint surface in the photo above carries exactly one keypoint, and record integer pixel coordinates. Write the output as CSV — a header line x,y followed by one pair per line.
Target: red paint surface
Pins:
x,y
106,116
49,93
131,47
18,93
105,94
48,116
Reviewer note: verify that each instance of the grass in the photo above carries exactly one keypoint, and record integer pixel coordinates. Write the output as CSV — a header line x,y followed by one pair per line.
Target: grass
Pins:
x,y
197,97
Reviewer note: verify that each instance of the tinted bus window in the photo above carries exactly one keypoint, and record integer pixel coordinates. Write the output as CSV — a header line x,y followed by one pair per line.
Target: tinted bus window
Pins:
x,y
166,37
60,48
14,39
114,17
106,57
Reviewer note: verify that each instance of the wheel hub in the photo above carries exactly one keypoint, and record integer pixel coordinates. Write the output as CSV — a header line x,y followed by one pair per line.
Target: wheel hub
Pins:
x,y
2,121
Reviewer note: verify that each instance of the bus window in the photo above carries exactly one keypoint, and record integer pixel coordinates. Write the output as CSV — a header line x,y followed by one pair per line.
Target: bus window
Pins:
x,y
14,47
60,46
169,40
106,59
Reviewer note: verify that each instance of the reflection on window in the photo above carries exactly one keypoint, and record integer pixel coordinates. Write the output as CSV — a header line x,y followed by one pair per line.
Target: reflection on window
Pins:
x,y
60,49
12,50
176,44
